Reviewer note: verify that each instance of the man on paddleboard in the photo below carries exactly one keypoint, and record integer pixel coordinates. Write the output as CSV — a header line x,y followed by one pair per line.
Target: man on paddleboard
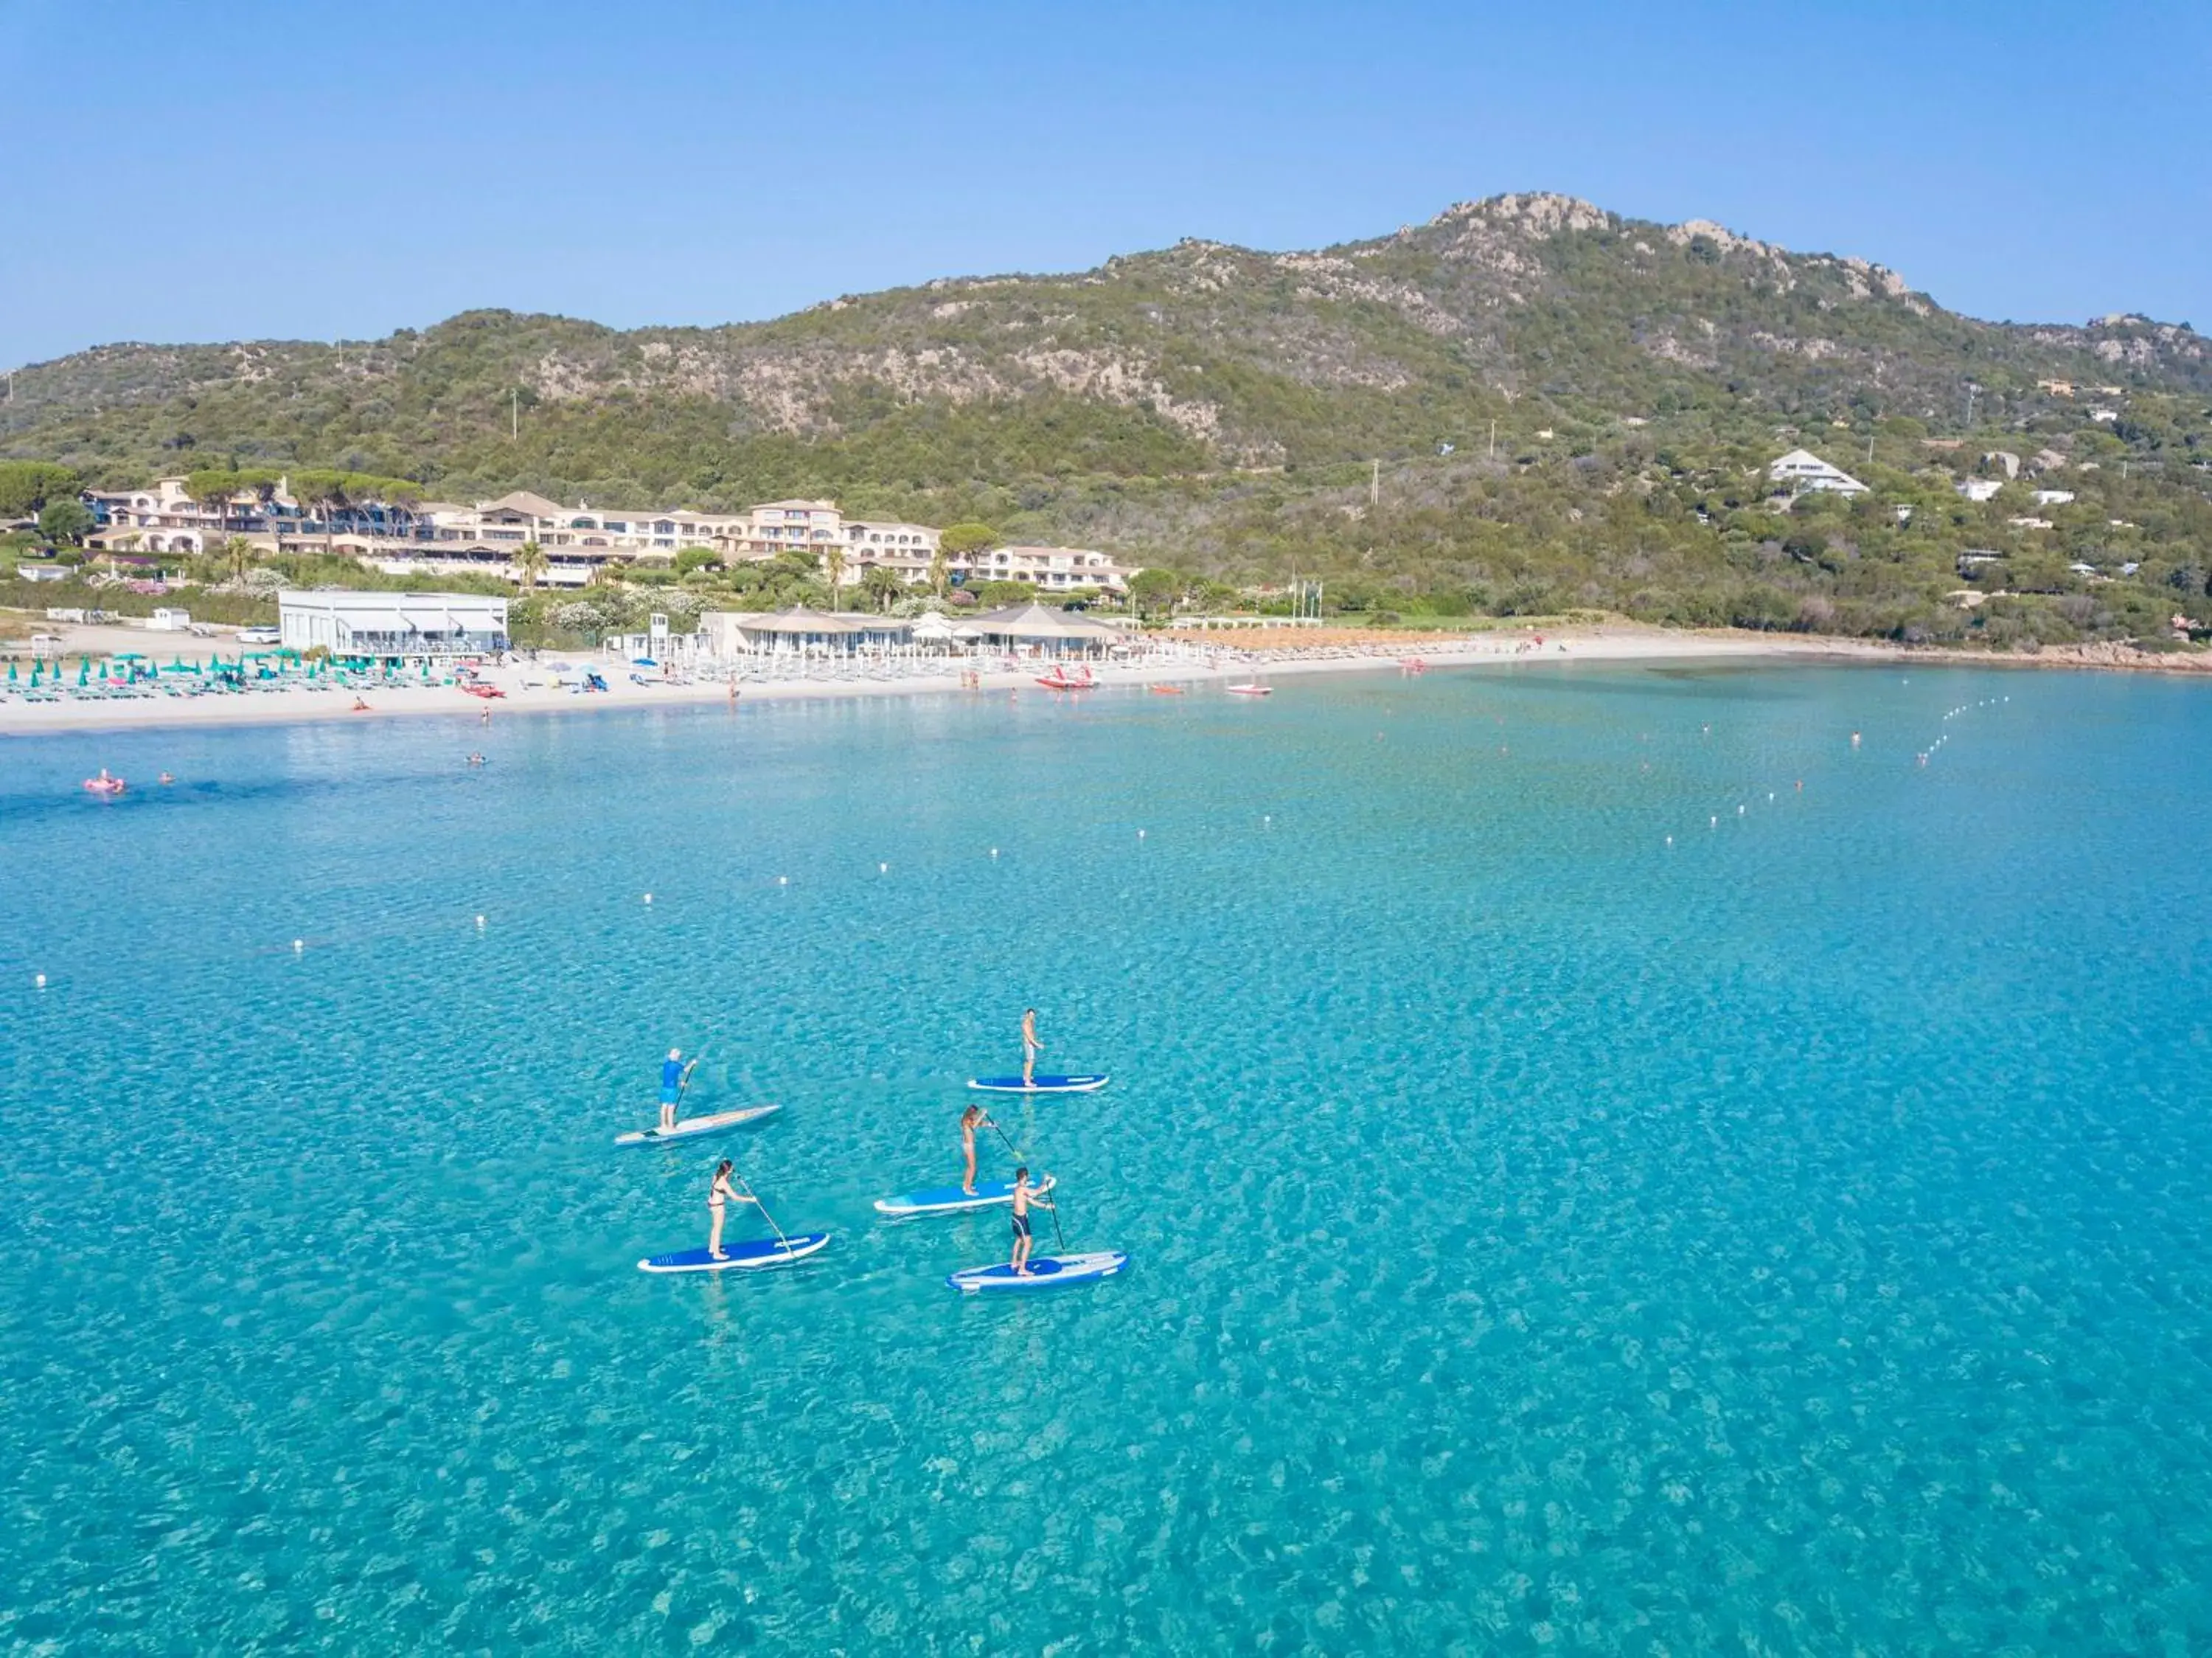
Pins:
x,y
672,1087
971,1119
1025,1195
1031,1047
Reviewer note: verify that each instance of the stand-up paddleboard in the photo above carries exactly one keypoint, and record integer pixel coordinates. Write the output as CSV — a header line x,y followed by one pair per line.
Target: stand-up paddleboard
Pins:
x,y
691,1128
1040,1085
951,1200
744,1253
1046,1272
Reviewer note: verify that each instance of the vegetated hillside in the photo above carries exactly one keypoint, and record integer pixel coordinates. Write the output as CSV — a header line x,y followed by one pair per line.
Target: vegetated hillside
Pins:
x,y
1219,408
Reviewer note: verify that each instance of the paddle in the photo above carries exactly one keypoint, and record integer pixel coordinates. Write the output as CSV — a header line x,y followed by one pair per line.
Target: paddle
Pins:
x,y
762,1207
683,1083
1051,1208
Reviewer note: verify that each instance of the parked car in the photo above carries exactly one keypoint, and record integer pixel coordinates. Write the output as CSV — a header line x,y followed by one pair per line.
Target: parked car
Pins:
x,y
258,635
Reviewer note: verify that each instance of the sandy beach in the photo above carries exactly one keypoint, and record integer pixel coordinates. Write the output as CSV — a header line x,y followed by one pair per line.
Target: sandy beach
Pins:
x,y
523,691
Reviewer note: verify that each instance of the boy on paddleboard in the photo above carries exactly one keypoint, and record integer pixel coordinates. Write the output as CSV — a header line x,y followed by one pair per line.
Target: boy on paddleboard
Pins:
x,y
1025,1195
1031,1047
971,1119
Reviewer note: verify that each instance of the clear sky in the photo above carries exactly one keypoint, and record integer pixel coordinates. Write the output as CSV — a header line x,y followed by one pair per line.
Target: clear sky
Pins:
x,y
243,168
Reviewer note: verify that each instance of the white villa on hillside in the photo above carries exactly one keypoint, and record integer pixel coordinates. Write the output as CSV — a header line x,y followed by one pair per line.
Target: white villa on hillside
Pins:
x,y
1801,471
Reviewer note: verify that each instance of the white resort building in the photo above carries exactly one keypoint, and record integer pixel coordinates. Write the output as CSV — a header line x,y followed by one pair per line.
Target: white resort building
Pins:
x,y
411,626
445,539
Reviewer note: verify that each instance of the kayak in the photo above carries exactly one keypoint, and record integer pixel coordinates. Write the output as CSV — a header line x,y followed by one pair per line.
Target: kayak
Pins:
x,y
1046,1272
1039,1085
691,1128
951,1200
745,1253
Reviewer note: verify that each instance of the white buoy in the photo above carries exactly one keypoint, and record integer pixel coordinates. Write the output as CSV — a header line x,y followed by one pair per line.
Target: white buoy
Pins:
x,y
1739,811
479,923
1670,840
41,981
783,880
1714,824
298,945
648,898
883,869
994,851
1770,796
1140,834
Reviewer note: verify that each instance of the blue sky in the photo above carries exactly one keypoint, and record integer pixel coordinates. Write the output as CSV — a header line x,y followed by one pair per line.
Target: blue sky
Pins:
x,y
264,170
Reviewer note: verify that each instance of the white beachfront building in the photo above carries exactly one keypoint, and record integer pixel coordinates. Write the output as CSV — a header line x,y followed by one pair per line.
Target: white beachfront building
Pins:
x,y
1801,471
409,626
1051,568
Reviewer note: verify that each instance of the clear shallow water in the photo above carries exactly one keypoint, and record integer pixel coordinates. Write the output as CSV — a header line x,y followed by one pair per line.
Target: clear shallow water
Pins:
x,y
1797,1238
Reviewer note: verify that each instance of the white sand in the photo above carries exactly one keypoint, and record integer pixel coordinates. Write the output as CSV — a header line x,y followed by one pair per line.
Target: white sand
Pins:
x,y
292,703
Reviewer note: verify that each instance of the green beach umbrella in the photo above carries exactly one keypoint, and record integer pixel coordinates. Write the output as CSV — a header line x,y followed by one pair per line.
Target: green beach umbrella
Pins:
x,y
84,670
11,670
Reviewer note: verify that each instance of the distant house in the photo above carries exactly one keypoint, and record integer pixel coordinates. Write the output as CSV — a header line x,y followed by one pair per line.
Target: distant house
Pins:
x,y
2104,416
2056,387
2053,497
2031,523
1980,489
1801,471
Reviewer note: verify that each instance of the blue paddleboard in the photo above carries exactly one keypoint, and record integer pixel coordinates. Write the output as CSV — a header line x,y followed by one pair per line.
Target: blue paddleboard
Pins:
x,y
1041,1085
1046,1272
951,1200
741,1252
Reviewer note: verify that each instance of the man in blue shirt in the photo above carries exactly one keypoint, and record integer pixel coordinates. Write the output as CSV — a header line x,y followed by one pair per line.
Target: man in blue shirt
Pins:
x,y
674,1073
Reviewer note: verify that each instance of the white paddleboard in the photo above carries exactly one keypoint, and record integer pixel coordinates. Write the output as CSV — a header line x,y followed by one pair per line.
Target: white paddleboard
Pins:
x,y
1046,1272
742,1254
691,1128
1038,1085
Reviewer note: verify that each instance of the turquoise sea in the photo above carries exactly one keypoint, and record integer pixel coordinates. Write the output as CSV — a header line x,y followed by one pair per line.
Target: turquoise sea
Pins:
x,y
1794,1238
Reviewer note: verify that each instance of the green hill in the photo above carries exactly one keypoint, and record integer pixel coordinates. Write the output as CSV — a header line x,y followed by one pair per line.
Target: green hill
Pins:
x,y
1569,407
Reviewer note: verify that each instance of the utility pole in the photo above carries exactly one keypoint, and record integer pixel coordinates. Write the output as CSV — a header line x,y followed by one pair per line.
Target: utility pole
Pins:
x,y
1375,485
1971,389
514,415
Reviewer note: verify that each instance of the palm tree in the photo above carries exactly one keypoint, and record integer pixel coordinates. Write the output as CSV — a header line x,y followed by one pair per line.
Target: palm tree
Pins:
x,y
240,552
940,569
833,565
529,562
882,585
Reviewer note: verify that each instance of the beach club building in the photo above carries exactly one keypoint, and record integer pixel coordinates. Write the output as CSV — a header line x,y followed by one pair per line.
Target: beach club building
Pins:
x,y
404,626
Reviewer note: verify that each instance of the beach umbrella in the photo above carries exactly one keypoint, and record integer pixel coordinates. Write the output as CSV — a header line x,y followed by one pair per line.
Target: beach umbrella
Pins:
x,y
11,670
84,670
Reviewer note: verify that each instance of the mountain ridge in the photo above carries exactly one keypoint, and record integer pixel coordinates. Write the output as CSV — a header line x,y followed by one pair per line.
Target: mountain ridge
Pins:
x,y
1526,401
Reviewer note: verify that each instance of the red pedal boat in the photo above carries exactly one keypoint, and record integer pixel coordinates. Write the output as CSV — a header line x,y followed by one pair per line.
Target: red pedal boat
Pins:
x,y
1061,679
